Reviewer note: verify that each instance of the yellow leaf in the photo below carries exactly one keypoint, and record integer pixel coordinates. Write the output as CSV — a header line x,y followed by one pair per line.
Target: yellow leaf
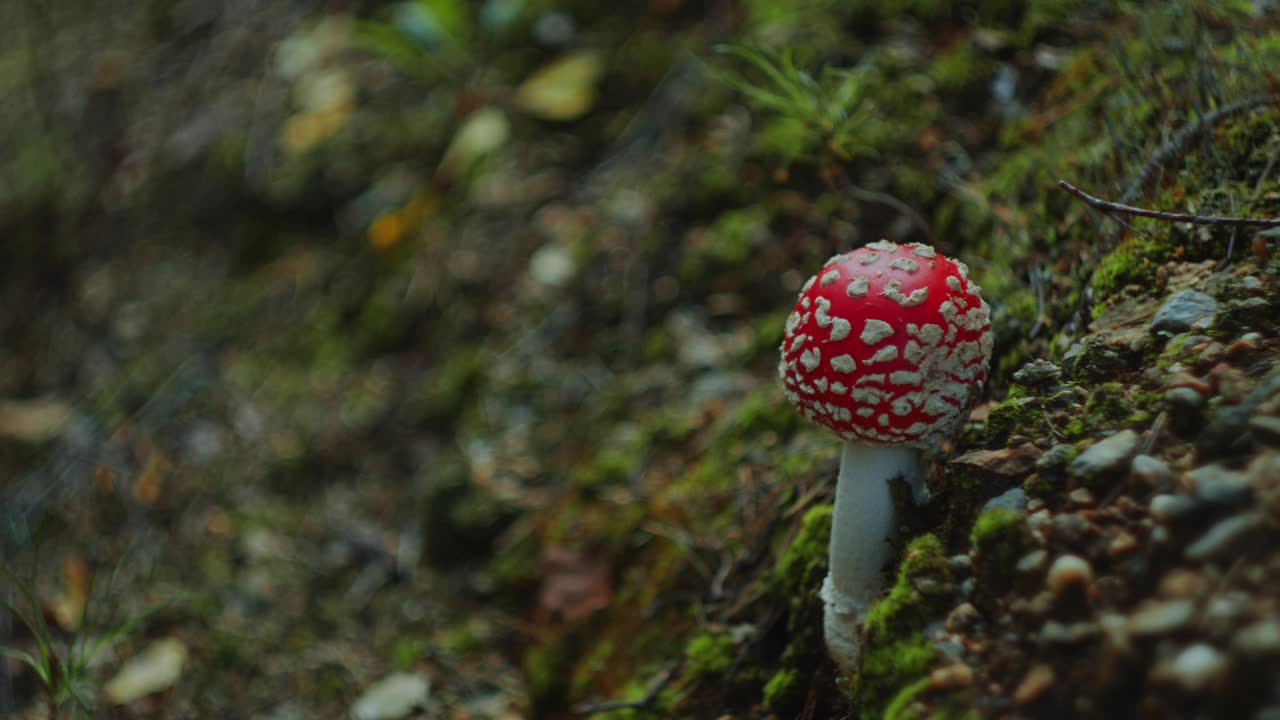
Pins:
x,y
565,89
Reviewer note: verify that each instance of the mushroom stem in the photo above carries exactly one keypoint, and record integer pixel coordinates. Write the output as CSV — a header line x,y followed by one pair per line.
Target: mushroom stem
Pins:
x,y
862,533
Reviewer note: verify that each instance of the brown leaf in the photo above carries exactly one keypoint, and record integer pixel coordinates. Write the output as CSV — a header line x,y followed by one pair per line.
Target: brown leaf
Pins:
x,y
574,584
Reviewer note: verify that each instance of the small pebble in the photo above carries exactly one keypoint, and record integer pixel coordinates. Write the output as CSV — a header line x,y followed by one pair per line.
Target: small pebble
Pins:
x,y
961,564
1082,497
1258,639
962,617
1161,617
1056,633
948,677
1220,486
1013,499
1054,459
1032,562
1067,571
1223,536
1249,342
1122,544
1266,428
1184,311
1071,528
1115,631
1037,372
1109,455
1166,508
1037,681
1182,583
1149,470
1195,668
1184,398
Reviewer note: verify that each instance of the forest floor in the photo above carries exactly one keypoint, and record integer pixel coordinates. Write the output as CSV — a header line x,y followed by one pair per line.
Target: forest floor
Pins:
x,y
418,359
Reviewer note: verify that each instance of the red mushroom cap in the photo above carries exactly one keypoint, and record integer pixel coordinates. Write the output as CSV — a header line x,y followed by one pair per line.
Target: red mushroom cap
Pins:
x,y
888,345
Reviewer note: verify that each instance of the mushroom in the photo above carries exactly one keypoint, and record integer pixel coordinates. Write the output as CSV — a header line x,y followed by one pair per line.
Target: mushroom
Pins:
x,y
888,347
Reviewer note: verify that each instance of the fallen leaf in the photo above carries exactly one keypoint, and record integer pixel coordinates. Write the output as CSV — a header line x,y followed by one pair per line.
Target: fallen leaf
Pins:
x,y
574,584
395,696
565,89
481,133
154,669
33,421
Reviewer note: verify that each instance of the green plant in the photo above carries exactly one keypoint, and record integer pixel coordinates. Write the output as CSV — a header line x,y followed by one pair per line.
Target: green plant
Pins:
x,y
62,665
831,113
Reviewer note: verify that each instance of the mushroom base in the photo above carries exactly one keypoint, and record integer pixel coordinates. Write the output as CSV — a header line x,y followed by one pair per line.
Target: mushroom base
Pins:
x,y
863,527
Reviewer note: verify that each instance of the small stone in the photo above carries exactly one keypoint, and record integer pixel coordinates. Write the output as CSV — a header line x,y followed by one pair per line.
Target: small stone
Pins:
x,y
1149,470
1106,456
1054,459
1082,497
1261,638
1056,633
960,564
1266,428
1068,571
963,617
1182,583
1251,283
1037,681
1122,544
1161,617
1183,311
1223,536
1115,631
1184,398
1014,499
1037,372
395,696
1071,528
949,677
1166,508
1006,462
1032,562
1195,668
1249,342
1220,486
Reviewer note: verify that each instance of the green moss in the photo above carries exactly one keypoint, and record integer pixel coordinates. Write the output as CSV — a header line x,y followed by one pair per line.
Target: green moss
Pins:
x,y
803,564
896,653
1015,416
888,669
1107,406
900,707
959,70
546,667
708,654
998,539
1133,263
782,692
406,652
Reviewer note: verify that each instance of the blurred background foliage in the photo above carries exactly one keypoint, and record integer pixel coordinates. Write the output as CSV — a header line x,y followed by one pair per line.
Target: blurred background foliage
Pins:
x,y
439,336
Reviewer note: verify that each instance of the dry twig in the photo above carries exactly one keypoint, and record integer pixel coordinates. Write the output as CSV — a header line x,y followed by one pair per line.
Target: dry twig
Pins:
x,y
1108,206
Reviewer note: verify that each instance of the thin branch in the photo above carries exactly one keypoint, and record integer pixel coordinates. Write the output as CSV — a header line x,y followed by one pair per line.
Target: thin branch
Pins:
x,y
651,693
1108,206
1188,136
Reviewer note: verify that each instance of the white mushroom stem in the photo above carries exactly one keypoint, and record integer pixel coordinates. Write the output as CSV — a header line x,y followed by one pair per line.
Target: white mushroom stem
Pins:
x,y
862,533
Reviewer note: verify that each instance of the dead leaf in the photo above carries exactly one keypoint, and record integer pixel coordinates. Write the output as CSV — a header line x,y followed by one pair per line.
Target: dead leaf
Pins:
x,y
155,669
574,584
33,421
